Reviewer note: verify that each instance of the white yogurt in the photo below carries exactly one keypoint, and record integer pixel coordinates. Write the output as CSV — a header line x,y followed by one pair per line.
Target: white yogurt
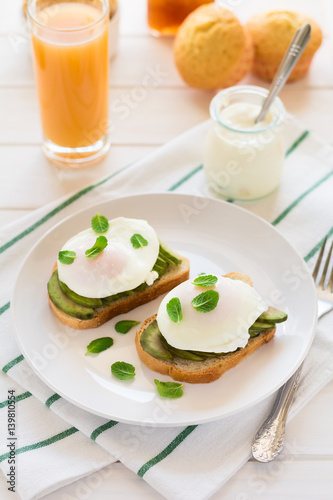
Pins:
x,y
242,116
243,160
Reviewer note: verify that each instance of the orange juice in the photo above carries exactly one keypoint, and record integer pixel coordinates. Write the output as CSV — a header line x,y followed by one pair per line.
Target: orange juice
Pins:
x,y
70,45
165,16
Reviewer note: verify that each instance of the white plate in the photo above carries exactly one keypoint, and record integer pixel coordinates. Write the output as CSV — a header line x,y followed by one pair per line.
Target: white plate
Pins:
x,y
218,237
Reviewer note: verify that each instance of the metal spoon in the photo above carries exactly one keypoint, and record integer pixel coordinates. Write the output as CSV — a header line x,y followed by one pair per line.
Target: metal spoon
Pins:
x,y
294,52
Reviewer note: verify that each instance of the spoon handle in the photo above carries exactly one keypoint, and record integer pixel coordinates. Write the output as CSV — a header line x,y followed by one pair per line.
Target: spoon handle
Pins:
x,y
294,52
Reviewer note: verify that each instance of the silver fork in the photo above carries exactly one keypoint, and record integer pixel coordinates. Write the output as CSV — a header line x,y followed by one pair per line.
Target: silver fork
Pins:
x,y
269,440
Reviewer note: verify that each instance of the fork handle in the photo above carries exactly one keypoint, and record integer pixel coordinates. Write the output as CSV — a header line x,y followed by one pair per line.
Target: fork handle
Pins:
x,y
269,440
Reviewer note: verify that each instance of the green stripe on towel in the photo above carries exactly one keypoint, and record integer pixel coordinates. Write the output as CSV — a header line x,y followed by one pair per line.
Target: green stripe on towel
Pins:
x,y
300,198
12,363
94,435
169,449
185,178
297,142
41,444
18,398
4,308
52,399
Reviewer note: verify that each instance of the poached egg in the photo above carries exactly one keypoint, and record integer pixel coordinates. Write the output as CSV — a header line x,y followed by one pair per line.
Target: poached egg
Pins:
x,y
119,267
222,329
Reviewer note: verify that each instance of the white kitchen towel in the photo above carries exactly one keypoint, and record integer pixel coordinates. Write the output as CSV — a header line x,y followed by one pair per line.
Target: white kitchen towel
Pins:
x,y
57,442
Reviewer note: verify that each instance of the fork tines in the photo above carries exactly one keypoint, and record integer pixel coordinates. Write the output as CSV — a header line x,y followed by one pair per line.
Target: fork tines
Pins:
x,y
323,271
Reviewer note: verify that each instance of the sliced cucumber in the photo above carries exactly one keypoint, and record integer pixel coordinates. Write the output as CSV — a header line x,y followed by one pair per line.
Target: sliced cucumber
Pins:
x,y
169,255
79,299
151,342
160,266
260,326
112,298
180,352
66,304
207,354
273,315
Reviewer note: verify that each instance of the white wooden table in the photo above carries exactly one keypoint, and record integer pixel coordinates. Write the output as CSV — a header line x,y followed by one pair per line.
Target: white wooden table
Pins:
x,y
143,119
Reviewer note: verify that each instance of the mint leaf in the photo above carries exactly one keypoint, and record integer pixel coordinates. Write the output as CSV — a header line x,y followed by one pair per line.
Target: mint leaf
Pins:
x,y
169,389
99,345
122,370
100,243
205,301
66,256
125,325
99,223
174,310
138,241
205,280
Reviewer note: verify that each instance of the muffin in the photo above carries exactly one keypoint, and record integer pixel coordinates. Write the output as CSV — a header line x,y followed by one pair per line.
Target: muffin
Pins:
x,y
272,33
212,50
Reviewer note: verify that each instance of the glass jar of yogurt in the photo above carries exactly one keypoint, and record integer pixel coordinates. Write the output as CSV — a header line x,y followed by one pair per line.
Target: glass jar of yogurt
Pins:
x,y
243,160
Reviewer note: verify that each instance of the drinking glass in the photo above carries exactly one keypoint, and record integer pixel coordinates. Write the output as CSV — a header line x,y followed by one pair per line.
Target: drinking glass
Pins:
x,y
70,52
165,16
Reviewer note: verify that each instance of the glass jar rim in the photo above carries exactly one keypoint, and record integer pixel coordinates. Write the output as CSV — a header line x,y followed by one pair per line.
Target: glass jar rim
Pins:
x,y
33,18
243,89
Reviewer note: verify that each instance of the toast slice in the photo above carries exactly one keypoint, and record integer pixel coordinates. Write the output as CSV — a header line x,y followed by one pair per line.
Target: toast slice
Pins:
x,y
199,372
209,369
173,277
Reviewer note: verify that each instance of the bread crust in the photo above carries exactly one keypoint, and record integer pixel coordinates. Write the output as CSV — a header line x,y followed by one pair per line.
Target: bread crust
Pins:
x,y
199,372
173,277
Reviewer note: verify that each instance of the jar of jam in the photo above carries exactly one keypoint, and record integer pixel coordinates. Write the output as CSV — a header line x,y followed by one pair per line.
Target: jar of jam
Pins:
x,y
165,16
242,159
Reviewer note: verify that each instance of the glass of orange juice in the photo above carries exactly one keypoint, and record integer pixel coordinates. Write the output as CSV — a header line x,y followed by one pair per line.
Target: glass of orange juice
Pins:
x,y
70,52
